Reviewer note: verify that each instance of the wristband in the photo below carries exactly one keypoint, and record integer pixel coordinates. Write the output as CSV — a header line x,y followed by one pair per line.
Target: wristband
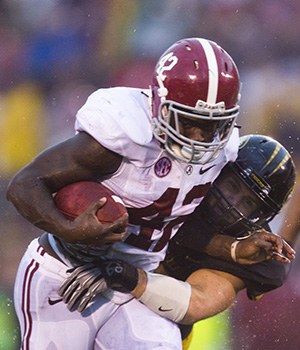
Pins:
x,y
166,296
233,250
119,275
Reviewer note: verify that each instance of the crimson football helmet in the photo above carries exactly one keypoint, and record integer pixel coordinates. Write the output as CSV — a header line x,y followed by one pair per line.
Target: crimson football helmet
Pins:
x,y
195,78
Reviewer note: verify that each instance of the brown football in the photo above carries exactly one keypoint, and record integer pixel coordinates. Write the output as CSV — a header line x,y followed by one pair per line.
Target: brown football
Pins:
x,y
74,199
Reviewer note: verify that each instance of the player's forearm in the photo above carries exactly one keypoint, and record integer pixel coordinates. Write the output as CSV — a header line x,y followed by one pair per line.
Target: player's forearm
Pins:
x,y
34,202
213,291
204,295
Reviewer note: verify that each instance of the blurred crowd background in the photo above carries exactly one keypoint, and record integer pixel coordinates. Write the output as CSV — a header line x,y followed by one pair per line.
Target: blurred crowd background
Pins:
x,y
54,53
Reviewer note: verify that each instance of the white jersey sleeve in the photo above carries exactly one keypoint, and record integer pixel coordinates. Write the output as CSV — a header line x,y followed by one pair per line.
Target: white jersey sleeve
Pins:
x,y
119,119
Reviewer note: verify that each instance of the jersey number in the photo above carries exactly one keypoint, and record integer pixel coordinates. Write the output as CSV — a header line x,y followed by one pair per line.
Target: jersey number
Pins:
x,y
153,217
166,64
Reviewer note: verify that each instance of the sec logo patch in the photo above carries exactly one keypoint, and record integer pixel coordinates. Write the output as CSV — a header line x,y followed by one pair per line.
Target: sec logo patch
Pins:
x,y
162,167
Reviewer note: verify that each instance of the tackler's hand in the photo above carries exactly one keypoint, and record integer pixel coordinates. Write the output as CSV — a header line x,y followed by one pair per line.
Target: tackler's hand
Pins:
x,y
82,285
86,281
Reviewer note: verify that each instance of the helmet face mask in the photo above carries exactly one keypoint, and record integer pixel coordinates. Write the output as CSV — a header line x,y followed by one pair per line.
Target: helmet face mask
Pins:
x,y
194,78
252,190
233,208
171,122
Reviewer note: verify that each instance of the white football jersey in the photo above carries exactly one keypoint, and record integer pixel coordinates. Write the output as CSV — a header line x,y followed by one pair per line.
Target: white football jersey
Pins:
x,y
158,190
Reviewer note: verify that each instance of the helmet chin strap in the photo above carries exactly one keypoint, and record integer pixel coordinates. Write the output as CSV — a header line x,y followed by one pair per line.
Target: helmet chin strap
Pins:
x,y
162,92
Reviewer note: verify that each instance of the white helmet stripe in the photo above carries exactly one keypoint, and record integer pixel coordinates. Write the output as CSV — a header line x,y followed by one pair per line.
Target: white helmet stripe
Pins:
x,y
213,80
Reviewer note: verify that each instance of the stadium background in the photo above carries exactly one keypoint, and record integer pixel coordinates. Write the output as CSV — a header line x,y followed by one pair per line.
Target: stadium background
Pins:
x,y
54,53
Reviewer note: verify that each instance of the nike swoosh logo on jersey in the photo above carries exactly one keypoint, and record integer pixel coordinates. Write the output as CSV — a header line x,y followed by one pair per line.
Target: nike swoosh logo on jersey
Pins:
x,y
53,302
202,171
164,310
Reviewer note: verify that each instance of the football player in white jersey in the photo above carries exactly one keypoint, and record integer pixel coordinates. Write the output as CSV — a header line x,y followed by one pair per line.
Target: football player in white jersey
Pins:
x,y
159,157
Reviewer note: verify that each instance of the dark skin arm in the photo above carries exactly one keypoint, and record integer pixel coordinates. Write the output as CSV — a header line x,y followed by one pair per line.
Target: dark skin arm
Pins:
x,y
80,158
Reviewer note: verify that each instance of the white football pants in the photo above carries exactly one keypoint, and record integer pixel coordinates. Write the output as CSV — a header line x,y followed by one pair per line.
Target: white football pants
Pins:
x,y
47,324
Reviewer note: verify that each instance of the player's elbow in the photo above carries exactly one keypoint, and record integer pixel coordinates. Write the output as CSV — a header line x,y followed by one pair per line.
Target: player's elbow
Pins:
x,y
13,189
19,185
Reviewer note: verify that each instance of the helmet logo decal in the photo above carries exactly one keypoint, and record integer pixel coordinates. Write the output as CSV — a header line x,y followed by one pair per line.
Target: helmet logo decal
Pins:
x,y
162,167
163,66
213,72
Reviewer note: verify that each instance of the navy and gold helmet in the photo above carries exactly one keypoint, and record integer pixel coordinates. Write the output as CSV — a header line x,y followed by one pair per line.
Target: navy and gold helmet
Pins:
x,y
267,169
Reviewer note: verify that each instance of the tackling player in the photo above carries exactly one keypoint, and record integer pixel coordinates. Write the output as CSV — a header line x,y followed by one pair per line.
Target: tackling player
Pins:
x,y
247,194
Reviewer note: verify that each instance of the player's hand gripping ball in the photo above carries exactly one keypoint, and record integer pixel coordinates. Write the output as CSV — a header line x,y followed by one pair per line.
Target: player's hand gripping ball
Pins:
x,y
74,199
